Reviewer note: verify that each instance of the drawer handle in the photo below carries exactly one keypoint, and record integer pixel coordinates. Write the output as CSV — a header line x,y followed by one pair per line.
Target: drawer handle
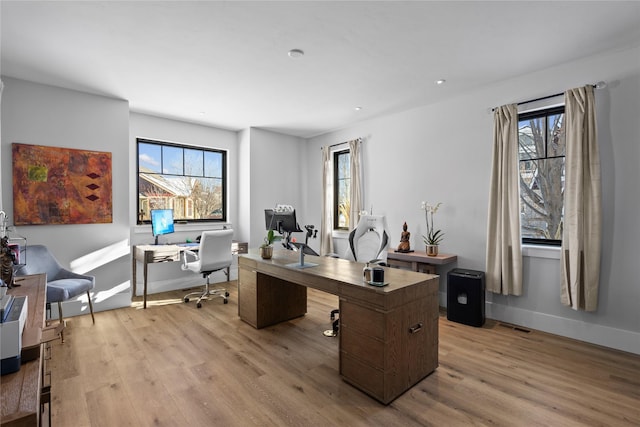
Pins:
x,y
415,328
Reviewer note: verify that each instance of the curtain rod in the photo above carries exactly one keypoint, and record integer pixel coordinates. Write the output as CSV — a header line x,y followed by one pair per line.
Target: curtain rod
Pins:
x,y
599,85
342,143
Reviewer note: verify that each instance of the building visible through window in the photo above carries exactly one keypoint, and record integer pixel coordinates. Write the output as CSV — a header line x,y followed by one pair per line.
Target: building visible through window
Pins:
x,y
189,180
541,138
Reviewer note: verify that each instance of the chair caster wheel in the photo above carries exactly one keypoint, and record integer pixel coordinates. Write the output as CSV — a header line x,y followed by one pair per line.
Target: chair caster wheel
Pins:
x,y
199,305
186,299
226,300
226,294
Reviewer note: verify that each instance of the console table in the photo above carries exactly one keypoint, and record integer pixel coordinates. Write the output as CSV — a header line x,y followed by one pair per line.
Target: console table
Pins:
x,y
149,254
22,392
388,335
419,260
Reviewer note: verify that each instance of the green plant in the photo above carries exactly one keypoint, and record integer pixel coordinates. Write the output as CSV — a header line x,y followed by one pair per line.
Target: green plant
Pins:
x,y
270,238
433,237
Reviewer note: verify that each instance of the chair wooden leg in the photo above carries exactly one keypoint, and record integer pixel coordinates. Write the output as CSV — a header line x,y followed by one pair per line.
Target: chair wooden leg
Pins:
x,y
91,307
61,319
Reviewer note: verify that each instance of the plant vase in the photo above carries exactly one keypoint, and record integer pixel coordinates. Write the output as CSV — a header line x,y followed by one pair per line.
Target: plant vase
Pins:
x,y
432,250
266,252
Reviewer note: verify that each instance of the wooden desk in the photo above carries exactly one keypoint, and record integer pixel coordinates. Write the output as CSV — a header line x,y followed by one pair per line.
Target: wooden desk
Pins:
x,y
418,260
149,254
21,391
388,335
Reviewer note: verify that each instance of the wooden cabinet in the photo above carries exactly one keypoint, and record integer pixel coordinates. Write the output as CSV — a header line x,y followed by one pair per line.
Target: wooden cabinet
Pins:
x,y
385,352
265,300
24,393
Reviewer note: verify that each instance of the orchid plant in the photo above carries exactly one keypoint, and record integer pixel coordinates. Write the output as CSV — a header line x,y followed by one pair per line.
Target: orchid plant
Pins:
x,y
433,237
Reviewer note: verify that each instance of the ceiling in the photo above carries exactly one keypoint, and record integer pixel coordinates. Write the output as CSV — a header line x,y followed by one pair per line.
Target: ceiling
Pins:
x,y
226,64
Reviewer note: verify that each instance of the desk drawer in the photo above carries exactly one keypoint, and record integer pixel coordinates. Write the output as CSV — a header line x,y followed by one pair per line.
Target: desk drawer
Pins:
x,y
365,348
240,247
361,320
363,376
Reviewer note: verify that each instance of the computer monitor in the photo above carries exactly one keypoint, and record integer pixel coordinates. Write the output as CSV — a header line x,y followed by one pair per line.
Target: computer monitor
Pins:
x,y
161,222
282,221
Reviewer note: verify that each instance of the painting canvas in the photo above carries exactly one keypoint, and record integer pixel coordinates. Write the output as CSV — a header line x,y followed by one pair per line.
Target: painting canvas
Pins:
x,y
53,185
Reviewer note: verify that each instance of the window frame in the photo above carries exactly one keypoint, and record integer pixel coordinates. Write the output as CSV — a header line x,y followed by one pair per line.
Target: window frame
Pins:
x,y
336,187
189,203
527,115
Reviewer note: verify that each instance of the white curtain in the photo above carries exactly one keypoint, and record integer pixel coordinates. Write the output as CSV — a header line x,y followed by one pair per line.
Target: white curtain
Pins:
x,y
581,236
356,182
326,226
504,253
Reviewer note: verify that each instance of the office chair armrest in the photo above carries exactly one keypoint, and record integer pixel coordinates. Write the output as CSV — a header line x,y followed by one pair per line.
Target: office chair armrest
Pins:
x,y
185,257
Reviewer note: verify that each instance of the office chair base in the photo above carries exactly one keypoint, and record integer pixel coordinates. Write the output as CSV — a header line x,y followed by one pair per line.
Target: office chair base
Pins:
x,y
222,293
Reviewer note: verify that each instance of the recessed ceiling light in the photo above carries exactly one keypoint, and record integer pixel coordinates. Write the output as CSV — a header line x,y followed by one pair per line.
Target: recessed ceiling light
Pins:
x,y
202,113
296,53
440,82
358,108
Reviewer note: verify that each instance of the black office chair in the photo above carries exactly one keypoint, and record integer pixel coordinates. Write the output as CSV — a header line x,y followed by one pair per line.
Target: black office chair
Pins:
x,y
214,254
369,243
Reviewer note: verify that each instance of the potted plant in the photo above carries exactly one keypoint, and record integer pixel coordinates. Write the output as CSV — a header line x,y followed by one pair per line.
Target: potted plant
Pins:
x,y
434,237
266,249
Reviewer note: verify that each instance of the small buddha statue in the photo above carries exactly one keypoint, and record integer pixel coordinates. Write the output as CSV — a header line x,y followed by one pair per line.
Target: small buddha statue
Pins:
x,y
404,245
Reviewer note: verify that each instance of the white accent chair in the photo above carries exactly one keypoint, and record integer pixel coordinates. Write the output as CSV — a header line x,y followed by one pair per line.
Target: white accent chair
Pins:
x,y
62,284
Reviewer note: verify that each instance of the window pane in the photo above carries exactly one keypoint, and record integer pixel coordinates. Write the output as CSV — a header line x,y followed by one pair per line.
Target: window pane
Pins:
x,y
193,162
149,158
344,166
342,193
531,134
212,164
207,198
542,198
174,177
172,160
344,202
556,136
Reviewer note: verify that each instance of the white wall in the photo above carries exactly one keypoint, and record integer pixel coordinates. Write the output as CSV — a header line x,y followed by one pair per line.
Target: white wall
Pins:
x,y
276,177
442,152
45,115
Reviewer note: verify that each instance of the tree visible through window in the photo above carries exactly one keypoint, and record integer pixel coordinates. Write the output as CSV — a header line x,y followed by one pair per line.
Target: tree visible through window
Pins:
x,y
541,138
189,180
342,189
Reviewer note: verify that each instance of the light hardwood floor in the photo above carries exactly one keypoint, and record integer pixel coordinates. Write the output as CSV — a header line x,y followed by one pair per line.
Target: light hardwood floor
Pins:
x,y
175,365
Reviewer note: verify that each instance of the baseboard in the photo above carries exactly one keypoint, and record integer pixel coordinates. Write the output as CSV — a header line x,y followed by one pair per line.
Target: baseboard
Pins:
x,y
606,336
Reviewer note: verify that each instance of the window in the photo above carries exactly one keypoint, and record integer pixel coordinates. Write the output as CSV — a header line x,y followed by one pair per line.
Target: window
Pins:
x,y
191,181
541,139
342,189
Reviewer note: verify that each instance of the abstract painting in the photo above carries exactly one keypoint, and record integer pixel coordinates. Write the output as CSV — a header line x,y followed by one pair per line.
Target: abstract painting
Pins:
x,y
53,185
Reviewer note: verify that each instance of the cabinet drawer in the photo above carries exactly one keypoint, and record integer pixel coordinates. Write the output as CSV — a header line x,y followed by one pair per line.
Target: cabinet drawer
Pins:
x,y
361,320
365,348
363,376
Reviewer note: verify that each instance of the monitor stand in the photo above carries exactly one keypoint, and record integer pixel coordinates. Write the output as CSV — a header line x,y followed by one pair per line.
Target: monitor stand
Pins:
x,y
301,263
